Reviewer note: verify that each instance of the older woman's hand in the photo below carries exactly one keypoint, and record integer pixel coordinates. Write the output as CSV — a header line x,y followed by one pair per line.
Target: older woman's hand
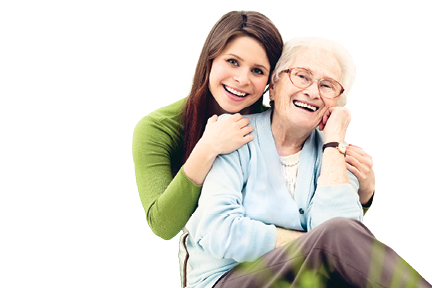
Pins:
x,y
335,124
360,164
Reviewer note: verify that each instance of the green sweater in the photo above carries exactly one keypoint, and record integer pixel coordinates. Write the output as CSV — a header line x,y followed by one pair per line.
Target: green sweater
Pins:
x,y
168,200
157,152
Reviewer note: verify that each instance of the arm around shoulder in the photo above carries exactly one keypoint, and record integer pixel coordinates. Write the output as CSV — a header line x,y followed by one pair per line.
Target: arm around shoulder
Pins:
x,y
168,201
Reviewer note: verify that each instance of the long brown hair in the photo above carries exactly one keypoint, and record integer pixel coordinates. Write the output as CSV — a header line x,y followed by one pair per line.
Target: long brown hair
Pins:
x,y
231,25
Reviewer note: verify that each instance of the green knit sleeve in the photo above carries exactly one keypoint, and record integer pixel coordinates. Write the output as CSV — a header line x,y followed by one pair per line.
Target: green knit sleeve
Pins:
x,y
168,201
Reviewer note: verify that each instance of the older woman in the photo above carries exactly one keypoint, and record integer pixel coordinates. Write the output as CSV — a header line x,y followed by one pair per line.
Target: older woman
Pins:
x,y
283,209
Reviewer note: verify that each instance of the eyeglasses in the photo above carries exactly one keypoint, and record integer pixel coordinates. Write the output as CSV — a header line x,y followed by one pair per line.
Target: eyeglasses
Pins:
x,y
303,78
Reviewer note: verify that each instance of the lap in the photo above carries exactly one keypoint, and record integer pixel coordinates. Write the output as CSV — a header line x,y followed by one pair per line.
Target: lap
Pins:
x,y
302,260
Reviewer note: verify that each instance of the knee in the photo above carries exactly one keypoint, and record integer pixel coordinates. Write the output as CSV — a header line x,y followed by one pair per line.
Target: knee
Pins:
x,y
342,227
340,222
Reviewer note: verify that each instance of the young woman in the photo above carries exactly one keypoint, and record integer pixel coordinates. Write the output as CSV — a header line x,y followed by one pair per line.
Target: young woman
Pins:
x,y
174,147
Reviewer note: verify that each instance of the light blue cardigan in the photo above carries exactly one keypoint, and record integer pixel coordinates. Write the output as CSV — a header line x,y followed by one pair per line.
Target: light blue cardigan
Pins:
x,y
244,198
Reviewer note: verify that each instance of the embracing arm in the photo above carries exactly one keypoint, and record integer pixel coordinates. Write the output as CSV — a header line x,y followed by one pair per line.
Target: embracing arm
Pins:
x,y
220,137
219,224
168,201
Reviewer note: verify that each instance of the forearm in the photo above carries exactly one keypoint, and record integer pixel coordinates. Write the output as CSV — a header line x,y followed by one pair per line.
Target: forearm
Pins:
x,y
168,201
334,201
285,236
169,213
365,197
199,162
231,236
336,194
333,169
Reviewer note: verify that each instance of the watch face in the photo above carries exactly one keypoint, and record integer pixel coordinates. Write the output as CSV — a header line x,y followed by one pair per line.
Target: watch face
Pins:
x,y
342,148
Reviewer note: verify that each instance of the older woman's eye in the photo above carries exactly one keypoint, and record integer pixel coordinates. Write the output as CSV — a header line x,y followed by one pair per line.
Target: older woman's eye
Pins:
x,y
303,77
327,84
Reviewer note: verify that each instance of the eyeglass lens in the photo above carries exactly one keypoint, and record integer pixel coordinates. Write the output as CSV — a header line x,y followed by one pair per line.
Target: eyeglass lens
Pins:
x,y
303,79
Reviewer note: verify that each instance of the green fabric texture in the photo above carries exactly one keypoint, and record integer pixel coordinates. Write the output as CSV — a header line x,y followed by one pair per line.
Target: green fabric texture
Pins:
x,y
168,201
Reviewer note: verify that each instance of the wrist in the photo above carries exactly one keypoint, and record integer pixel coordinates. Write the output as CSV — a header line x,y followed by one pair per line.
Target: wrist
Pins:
x,y
340,146
199,163
334,135
208,149
334,138
365,196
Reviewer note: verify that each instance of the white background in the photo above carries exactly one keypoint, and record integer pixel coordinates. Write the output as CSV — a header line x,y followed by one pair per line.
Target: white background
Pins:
x,y
76,76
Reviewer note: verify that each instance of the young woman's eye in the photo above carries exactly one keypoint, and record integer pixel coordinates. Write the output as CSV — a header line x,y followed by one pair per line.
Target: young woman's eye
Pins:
x,y
257,71
233,62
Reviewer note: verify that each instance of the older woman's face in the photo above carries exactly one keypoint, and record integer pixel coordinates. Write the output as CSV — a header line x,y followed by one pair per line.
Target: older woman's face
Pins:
x,y
290,101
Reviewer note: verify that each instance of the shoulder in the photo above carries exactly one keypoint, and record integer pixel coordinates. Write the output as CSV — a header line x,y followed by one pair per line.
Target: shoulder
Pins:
x,y
161,130
166,119
266,114
172,112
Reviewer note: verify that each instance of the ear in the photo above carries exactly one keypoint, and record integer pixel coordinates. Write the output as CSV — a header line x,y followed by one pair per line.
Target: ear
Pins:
x,y
271,91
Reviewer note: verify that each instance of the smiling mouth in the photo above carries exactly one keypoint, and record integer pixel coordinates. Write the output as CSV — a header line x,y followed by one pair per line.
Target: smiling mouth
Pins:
x,y
235,92
305,106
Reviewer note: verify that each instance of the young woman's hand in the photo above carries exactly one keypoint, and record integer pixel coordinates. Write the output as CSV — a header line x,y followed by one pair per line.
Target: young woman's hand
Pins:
x,y
220,137
227,134
360,164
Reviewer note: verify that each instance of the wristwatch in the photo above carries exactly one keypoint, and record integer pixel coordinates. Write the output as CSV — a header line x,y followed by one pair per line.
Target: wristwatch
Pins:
x,y
340,146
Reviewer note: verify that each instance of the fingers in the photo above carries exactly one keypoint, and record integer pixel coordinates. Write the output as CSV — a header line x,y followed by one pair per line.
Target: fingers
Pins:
x,y
321,126
354,163
239,121
360,155
243,122
212,119
360,166
325,118
248,138
353,170
356,149
236,122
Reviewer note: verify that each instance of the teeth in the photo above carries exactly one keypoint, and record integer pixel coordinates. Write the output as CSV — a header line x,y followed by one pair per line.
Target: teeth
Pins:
x,y
235,92
301,104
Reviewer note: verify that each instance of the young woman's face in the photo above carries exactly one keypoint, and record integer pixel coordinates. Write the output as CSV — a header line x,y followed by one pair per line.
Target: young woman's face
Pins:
x,y
239,74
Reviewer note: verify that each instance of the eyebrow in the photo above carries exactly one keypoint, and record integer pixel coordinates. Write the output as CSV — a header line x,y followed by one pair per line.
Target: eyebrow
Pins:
x,y
325,75
257,65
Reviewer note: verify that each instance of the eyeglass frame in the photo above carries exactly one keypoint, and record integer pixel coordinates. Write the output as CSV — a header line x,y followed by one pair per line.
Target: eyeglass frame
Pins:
x,y
288,71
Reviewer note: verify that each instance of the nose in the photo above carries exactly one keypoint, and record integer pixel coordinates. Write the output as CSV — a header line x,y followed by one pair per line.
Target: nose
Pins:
x,y
242,77
313,90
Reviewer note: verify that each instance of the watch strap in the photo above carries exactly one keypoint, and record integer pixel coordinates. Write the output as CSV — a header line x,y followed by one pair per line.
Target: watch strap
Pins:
x,y
330,144
335,145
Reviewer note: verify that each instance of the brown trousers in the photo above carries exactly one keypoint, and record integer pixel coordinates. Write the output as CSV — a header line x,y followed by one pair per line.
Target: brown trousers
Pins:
x,y
339,253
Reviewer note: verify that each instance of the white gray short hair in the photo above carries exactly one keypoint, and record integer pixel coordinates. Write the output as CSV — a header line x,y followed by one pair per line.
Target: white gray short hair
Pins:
x,y
296,45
